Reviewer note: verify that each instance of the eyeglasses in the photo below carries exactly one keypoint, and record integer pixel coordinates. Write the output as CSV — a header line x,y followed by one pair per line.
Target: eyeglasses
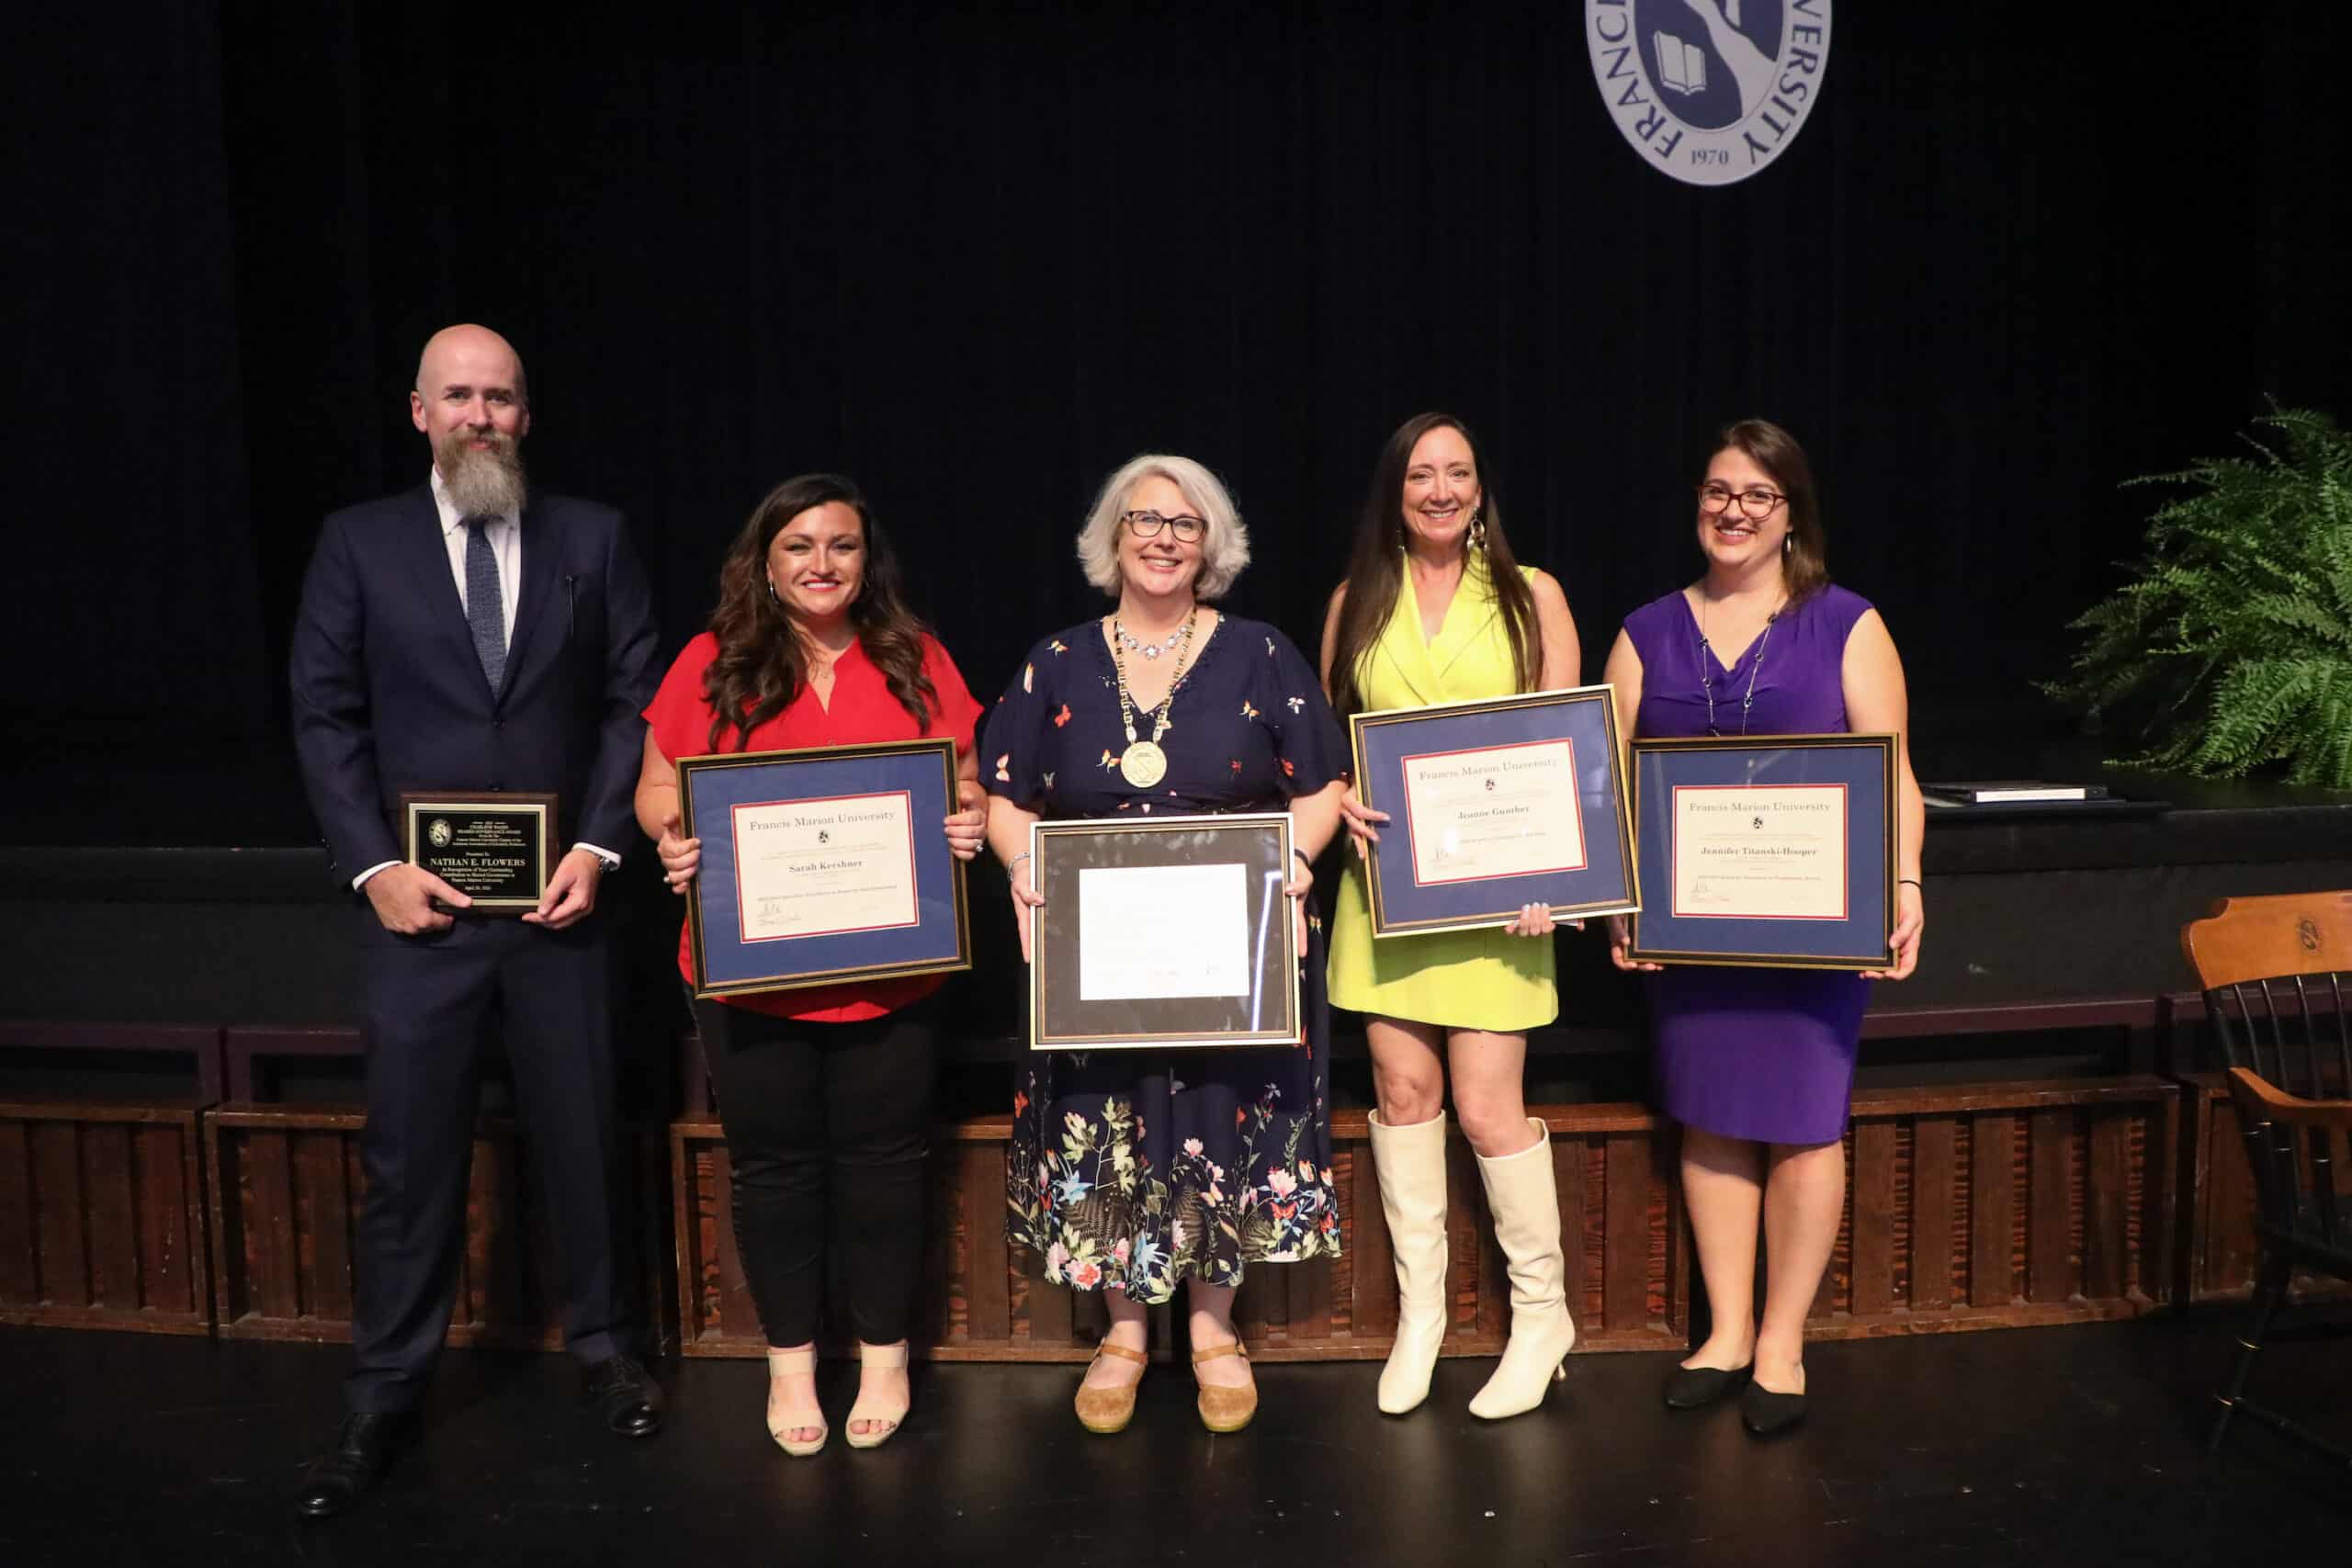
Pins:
x,y
1147,525
1758,502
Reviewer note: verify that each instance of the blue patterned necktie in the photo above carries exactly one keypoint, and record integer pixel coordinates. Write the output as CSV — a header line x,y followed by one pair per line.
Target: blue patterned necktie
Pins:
x,y
485,613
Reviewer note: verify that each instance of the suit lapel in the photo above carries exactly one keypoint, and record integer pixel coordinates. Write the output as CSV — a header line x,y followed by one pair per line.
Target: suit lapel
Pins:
x,y
1402,644
1467,619
426,551
540,548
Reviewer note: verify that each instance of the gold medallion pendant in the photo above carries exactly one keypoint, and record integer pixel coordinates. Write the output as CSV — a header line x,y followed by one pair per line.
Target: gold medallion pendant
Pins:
x,y
1143,764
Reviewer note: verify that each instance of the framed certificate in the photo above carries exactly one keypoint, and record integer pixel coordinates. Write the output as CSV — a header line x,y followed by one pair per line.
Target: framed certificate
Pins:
x,y
1774,850
823,865
1494,806
1162,933
497,847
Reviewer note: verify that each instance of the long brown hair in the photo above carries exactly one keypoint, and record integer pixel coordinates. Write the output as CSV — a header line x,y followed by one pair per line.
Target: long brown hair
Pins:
x,y
1376,570
1804,570
761,665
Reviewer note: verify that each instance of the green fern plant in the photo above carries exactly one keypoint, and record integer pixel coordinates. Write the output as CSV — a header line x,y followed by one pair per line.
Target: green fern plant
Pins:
x,y
2232,649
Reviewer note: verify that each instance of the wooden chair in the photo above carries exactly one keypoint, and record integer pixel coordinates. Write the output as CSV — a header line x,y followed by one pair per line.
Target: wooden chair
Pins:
x,y
2277,978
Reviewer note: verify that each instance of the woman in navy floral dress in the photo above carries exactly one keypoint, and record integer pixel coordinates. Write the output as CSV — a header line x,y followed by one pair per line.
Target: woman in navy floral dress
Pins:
x,y
1133,1171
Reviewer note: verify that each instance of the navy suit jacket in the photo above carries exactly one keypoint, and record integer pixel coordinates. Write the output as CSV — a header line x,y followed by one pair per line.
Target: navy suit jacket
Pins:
x,y
390,695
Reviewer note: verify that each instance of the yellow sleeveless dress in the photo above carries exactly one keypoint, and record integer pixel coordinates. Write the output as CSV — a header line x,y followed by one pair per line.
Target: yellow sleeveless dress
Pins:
x,y
1481,979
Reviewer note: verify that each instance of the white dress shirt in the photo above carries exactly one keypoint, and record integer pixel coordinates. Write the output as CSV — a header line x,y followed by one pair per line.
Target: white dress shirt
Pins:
x,y
505,536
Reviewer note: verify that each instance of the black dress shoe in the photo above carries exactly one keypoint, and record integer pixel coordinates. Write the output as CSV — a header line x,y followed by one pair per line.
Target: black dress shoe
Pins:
x,y
1767,1415
627,1400
1693,1388
363,1451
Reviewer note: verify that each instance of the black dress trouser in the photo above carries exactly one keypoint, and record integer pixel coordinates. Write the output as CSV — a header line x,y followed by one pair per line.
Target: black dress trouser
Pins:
x,y
826,1127
426,1000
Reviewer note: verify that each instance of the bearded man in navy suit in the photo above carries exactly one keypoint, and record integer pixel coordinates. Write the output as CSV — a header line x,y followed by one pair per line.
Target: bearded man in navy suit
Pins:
x,y
471,635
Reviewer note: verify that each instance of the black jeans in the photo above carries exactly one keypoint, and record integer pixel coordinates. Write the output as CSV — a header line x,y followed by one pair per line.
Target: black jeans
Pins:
x,y
826,1127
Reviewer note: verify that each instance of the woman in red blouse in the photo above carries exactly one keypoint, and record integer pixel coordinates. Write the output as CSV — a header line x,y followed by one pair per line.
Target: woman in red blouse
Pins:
x,y
824,1091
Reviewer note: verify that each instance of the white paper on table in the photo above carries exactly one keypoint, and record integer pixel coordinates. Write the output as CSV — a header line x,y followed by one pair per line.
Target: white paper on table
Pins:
x,y
1493,812
1748,851
824,867
1163,930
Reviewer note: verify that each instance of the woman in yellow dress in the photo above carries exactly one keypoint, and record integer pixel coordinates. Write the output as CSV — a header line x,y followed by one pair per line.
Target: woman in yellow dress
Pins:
x,y
1435,610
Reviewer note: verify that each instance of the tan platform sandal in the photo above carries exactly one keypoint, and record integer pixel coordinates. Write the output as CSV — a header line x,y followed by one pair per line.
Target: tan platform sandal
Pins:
x,y
787,1363
875,1413
1108,1410
1225,1409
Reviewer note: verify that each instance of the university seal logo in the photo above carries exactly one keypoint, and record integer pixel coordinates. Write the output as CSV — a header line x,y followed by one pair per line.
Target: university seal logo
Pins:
x,y
439,834
1710,91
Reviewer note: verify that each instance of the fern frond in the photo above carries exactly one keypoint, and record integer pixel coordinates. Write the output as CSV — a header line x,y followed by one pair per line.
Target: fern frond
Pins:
x,y
2231,649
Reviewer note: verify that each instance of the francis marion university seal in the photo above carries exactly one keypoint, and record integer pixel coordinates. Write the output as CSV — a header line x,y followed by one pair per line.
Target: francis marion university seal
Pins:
x,y
1709,90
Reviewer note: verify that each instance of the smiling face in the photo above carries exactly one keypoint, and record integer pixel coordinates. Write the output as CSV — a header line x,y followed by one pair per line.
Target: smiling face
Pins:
x,y
817,563
1161,566
469,395
1442,489
1730,538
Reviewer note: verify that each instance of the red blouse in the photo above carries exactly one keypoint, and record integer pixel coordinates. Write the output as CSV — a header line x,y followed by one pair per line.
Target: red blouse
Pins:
x,y
862,710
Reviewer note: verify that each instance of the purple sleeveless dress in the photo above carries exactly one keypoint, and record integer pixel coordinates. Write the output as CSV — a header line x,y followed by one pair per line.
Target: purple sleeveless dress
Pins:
x,y
1760,1053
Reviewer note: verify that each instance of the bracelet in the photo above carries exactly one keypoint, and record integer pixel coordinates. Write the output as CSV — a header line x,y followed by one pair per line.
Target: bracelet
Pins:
x,y
1303,861
1908,882
1016,861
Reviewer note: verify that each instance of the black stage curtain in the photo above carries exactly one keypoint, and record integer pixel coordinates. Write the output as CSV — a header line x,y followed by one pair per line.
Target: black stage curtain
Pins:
x,y
133,598
978,255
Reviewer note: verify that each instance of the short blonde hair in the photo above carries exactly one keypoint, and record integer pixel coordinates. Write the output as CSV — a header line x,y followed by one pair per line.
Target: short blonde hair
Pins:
x,y
1225,546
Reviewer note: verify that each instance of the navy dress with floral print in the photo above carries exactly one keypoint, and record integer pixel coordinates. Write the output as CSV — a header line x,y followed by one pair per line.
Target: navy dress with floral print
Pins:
x,y
1141,1169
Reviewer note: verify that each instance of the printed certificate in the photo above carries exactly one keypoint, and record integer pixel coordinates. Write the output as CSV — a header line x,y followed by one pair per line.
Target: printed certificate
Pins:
x,y
1163,930
1494,812
821,867
1761,853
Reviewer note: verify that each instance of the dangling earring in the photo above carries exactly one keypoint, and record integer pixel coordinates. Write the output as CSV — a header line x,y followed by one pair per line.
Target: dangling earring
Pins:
x,y
1786,540
1477,531
772,593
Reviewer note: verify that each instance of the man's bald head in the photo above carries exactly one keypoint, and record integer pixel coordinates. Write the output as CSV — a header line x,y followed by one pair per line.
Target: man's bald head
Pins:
x,y
468,345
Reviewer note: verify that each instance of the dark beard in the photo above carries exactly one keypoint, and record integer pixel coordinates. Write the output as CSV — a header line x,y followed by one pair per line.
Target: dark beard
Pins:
x,y
483,484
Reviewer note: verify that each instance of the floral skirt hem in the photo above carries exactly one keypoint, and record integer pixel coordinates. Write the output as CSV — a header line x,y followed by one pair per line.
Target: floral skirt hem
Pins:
x,y
1087,1263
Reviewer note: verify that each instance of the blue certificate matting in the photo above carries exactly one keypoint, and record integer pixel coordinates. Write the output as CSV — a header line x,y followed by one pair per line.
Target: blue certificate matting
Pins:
x,y
858,879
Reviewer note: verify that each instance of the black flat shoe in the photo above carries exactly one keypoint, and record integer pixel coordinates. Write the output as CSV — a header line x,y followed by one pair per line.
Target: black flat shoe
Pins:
x,y
626,1400
1767,1415
1694,1388
364,1448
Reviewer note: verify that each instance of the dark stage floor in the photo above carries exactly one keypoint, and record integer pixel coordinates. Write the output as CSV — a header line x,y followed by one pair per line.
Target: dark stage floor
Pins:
x,y
2049,1445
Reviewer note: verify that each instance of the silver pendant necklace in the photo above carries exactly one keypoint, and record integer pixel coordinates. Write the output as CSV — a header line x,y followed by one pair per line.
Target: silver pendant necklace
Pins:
x,y
1708,686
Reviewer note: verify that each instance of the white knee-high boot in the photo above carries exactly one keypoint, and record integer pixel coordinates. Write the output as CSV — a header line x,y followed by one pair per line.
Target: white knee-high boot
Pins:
x,y
1412,1163
1527,1221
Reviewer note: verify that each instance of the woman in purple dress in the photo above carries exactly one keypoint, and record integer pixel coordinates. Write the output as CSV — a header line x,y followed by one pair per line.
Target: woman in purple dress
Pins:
x,y
1758,1065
